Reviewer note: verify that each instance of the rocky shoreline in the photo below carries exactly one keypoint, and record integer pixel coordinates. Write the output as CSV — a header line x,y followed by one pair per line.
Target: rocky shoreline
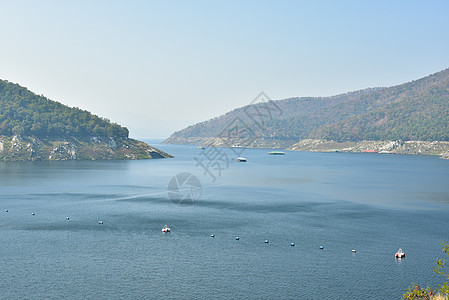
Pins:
x,y
438,148
29,148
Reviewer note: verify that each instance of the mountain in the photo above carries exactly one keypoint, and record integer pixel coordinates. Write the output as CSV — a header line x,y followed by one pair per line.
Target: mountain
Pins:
x,y
417,110
33,127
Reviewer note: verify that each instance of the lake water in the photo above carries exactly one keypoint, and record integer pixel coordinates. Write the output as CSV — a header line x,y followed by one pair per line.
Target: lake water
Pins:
x,y
369,202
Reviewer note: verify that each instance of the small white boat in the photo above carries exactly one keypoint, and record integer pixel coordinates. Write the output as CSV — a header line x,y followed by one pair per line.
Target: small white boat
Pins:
x,y
399,254
166,229
241,159
386,152
276,153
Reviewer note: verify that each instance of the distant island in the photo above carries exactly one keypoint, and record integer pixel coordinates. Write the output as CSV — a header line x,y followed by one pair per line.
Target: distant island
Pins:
x,y
34,128
411,118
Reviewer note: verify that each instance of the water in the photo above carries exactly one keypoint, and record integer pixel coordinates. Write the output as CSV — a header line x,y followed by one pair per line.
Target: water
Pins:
x,y
368,202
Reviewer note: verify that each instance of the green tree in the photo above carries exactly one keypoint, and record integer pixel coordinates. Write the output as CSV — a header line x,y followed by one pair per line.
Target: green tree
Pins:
x,y
415,292
442,268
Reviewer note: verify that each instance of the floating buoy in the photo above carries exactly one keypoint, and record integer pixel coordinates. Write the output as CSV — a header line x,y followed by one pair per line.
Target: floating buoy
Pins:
x,y
100,222
6,210
212,235
67,218
266,241
321,247
354,251
292,244
237,238
32,214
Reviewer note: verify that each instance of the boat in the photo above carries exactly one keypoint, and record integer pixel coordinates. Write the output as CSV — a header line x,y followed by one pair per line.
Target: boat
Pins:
x,y
386,152
236,146
166,229
241,159
333,150
200,147
400,253
276,153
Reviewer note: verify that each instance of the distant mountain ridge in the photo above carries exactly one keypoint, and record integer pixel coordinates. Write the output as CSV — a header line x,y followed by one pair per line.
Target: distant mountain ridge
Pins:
x,y
417,110
33,127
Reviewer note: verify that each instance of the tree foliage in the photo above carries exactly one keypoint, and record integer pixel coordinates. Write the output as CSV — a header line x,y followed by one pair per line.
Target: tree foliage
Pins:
x,y
415,292
25,113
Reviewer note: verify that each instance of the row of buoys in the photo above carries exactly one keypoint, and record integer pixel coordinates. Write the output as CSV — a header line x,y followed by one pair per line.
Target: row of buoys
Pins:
x,y
291,244
67,218
212,235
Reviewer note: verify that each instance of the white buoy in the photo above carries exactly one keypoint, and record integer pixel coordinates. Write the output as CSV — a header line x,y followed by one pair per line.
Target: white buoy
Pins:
x,y
32,214
67,218
6,210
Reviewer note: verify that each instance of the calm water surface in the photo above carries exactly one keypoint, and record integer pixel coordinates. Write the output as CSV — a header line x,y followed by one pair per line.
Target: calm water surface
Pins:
x,y
369,202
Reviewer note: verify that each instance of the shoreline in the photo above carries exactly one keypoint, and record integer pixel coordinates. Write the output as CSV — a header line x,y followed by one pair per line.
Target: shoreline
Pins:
x,y
434,148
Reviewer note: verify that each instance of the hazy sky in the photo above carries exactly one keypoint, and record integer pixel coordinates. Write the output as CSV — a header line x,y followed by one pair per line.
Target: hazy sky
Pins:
x,y
158,66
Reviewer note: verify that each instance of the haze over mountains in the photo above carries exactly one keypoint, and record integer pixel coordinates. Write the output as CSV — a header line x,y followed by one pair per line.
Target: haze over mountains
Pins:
x,y
417,110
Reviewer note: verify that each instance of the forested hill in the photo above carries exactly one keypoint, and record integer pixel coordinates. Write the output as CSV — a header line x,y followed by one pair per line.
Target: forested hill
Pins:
x,y
34,128
417,110
24,113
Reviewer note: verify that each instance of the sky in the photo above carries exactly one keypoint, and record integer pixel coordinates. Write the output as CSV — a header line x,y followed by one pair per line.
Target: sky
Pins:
x,y
159,66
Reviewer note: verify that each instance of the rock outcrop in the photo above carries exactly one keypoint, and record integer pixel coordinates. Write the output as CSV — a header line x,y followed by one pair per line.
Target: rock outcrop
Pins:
x,y
25,148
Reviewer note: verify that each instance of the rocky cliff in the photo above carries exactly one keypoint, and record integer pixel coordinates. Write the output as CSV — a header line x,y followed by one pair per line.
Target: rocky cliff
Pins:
x,y
29,148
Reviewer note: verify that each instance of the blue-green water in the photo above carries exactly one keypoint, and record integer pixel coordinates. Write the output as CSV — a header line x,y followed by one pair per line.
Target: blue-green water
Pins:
x,y
369,202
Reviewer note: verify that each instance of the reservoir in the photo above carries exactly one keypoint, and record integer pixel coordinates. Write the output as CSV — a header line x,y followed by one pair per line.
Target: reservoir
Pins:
x,y
53,246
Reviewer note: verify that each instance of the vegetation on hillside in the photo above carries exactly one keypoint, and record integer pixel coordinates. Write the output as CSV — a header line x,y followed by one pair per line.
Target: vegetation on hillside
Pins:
x,y
417,110
25,113
415,292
